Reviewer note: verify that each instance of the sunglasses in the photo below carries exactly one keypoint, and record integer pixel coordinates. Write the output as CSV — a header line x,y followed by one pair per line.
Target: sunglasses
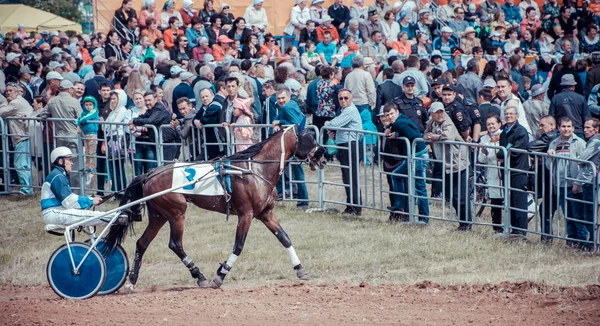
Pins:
x,y
225,8
345,98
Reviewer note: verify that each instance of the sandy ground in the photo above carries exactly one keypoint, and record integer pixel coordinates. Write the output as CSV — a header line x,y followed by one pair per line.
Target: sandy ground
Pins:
x,y
305,303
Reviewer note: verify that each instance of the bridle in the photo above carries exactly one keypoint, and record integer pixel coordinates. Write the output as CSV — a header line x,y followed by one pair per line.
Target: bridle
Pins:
x,y
282,159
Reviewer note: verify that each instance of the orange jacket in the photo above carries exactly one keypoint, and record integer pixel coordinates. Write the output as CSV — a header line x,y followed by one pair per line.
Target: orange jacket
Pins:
x,y
170,38
276,53
334,33
85,55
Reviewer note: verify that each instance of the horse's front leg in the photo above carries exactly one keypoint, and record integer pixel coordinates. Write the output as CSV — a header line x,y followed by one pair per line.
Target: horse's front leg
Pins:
x,y
243,226
271,222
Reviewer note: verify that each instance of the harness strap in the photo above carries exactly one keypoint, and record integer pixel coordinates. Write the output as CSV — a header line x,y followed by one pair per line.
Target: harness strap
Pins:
x,y
282,160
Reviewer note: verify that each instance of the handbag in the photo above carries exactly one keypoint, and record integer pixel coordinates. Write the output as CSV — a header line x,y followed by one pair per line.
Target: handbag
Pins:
x,y
115,147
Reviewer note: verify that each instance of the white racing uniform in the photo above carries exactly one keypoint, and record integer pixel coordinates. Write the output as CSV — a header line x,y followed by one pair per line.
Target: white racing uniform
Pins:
x,y
61,206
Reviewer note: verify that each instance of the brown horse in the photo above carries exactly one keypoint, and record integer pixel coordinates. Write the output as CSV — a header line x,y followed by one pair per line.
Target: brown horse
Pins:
x,y
252,196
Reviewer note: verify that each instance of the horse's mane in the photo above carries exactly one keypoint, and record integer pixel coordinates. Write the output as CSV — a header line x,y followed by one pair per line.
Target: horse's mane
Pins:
x,y
253,150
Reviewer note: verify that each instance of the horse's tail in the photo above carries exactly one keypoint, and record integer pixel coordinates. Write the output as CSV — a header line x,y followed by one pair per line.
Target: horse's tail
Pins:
x,y
133,192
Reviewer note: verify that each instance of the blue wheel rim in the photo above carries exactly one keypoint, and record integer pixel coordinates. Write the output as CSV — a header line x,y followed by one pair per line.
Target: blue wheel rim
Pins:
x,y
86,283
117,267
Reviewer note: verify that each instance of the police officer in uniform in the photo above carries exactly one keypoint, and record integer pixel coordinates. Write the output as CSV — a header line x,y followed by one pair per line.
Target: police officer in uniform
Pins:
x,y
457,112
410,105
474,114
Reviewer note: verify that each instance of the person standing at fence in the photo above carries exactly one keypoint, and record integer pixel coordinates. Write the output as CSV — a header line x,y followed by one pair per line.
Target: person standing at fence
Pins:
x,y
15,107
242,135
114,139
104,110
403,127
456,111
89,130
516,136
487,156
184,128
410,105
547,131
209,114
507,99
586,179
390,147
67,108
438,129
157,115
144,155
290,114
568,145
349,152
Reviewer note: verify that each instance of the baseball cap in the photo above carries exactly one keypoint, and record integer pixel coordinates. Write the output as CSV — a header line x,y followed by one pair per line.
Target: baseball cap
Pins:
x,y
25,70
55,64
436,53
99,58
438,81
353,46
45,32
66,84
186,75
435,107
54,75
224,39
489,82
57,50
408,80
176,70
446,29
12,56
293,85
448,86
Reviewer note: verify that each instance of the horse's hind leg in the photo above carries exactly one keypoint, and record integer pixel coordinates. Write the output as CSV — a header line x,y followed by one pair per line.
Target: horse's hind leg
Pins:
x,y
155,223
176,244
243,226
271,222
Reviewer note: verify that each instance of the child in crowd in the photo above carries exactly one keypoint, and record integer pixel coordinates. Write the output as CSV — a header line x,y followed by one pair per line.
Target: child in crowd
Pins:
x,y
472,16
89,112
243,135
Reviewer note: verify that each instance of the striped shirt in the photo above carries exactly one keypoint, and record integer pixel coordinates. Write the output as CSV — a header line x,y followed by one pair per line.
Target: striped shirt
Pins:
x,y
350,119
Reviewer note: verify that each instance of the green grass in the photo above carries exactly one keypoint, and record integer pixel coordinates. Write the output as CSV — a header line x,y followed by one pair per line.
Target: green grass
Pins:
x,y
331,247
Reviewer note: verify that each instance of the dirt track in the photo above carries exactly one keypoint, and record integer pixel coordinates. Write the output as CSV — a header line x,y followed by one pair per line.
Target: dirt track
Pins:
x,y
309,304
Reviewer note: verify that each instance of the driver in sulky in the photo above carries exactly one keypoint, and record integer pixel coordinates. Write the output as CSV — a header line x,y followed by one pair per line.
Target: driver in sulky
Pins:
x,y
60,205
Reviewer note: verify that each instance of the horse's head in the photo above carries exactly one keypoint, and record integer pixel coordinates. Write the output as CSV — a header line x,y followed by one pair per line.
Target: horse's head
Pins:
x,y
309,150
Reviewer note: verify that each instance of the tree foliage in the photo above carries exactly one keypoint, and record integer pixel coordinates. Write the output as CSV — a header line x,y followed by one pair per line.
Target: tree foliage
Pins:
x,y
63,8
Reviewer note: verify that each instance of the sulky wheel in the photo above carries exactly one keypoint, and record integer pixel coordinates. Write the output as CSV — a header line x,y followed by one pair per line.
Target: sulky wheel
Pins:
x,y
117,268
83,284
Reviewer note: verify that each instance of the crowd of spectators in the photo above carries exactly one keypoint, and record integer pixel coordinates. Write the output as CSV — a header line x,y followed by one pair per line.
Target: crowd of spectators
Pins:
x,y
516,76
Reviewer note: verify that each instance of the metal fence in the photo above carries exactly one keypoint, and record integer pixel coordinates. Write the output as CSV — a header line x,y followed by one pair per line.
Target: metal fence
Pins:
x,y
448,182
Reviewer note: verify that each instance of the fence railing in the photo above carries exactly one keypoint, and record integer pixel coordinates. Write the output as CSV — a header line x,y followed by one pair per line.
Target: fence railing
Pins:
x,y
412,180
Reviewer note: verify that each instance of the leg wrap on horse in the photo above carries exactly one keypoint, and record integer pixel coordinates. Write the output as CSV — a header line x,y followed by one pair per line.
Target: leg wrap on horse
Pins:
x,y
283,238
223,270
137,263
194,270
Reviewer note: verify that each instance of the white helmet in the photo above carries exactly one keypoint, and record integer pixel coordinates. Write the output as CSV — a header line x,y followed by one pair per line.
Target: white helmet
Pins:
x,y
60,152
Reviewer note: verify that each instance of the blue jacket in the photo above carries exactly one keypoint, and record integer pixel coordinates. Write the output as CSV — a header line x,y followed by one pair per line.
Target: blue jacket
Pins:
x,y
512,13
56,192
311,95
290,114
88,128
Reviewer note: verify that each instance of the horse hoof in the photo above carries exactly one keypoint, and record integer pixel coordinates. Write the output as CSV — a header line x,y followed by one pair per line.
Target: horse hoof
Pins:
x,y
129,288
216,282
302,274
203,284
